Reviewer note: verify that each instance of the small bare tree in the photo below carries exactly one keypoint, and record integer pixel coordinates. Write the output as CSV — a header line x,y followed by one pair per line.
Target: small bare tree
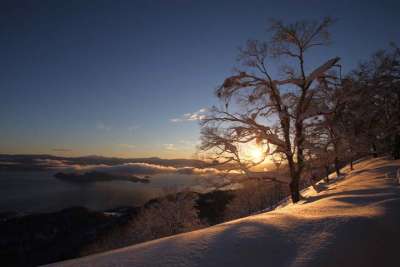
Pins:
x,y
319,150
331,100
254,196
269,111
172,214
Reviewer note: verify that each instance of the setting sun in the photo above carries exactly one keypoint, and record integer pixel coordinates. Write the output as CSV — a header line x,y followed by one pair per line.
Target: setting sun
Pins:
x,y
255,153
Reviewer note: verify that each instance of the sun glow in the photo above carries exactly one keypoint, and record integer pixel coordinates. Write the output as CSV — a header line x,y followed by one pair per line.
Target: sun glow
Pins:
x,y
255,153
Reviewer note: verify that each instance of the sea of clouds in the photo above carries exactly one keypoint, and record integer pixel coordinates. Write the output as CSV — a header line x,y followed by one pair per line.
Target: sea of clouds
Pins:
x,y
126,168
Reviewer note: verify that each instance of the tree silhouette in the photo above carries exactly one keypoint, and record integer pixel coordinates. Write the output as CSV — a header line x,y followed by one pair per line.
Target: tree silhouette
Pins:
x,y
271,112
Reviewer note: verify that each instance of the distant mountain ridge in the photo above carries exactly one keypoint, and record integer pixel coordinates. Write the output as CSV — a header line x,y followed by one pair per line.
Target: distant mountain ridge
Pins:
x,y
31,161
95,176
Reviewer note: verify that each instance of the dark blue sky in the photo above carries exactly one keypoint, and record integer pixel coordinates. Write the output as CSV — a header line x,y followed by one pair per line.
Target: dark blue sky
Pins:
x,y
116,77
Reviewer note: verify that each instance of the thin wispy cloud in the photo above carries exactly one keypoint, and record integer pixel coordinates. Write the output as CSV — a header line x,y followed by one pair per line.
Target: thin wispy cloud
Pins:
x,y
194,116
134,128
189,143
126,146
169,146
100,125
52,163
181,145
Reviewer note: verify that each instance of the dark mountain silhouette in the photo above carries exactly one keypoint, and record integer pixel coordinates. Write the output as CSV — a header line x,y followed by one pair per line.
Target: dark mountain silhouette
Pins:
x,y
95,176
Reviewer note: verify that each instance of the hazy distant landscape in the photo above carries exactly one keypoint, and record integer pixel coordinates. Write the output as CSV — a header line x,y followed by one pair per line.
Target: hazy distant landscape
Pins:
x,y
28,183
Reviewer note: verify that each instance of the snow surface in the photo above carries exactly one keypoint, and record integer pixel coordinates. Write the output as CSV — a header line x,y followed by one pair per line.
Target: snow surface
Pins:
x,y
353,221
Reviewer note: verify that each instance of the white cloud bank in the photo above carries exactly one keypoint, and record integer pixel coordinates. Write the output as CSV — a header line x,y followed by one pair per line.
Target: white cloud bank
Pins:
x,y
195,116
126,168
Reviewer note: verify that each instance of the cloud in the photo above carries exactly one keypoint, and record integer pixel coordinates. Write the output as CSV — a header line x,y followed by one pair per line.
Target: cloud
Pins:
x,y
195,116
102,126
189,143
65,165
134,128
126,168
147,168
135,168
169,146
53,163
180,145
199,171
127,146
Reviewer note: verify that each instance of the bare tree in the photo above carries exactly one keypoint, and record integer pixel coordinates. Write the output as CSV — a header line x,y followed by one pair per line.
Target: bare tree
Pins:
x,y
348,124
319,150
254,196
172,214
270,111
331,99
375,108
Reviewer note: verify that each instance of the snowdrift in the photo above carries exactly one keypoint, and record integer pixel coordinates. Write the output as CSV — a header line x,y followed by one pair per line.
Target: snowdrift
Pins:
x,y
353,221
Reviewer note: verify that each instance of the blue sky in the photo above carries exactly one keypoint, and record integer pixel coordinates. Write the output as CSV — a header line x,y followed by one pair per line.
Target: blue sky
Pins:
x,y
115,78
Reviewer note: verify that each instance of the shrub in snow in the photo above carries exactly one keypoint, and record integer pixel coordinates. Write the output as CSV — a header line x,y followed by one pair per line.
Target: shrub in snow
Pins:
x,y
254,196
173,214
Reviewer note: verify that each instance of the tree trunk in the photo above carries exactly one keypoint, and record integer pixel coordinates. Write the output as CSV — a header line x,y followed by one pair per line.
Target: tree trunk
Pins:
x,y
351,158
351,163
336,160
337,168
294,183
327,173
374,151
295,189
396,147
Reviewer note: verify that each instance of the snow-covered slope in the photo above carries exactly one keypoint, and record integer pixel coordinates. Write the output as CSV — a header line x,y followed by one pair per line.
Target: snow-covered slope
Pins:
x,y
354,221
